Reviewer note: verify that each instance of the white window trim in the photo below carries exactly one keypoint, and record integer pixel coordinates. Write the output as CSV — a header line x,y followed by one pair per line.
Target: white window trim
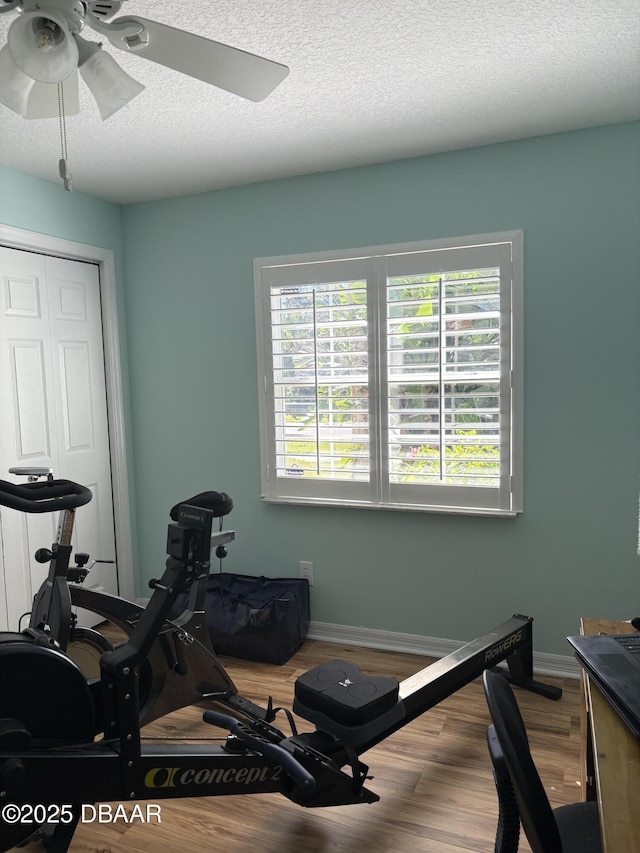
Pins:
x,y
515,500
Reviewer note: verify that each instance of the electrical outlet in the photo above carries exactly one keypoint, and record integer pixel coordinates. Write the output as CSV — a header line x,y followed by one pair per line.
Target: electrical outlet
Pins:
x,y
306,571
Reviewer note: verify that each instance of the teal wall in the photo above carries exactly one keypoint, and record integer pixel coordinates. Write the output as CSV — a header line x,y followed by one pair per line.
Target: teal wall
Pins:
x,y
185,295
190,314
45,207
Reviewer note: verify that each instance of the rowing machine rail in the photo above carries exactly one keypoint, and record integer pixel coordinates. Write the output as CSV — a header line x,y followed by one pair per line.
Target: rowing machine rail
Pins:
x,y
510,641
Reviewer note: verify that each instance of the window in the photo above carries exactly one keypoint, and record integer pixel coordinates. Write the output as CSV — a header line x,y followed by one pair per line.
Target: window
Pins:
x,y
391,376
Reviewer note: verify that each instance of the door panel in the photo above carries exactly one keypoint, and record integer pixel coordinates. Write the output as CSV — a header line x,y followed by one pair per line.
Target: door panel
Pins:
x,y
28,389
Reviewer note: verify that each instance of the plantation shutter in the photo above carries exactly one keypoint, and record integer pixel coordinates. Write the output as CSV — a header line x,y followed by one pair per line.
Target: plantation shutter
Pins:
x,y
387,379
447,377
319,380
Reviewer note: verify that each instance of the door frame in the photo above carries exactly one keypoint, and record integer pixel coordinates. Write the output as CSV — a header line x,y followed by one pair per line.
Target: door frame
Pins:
x,y
44,244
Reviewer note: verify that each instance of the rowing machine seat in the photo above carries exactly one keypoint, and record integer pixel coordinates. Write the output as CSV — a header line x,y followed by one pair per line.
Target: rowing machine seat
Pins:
x,y
340,699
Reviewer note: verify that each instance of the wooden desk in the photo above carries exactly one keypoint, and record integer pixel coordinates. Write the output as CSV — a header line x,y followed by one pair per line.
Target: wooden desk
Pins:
x,y
611,754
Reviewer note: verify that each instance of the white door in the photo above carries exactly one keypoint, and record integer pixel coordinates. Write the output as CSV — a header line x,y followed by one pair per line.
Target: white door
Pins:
x,y
52,413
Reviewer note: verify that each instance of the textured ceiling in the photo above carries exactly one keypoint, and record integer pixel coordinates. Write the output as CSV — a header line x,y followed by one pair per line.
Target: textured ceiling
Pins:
x,y
369,81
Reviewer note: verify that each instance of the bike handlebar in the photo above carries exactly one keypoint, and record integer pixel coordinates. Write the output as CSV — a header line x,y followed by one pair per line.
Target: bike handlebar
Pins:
x,y
289,762
48,496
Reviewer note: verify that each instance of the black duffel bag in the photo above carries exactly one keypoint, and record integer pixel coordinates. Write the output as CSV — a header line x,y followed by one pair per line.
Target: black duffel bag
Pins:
x,y
256,618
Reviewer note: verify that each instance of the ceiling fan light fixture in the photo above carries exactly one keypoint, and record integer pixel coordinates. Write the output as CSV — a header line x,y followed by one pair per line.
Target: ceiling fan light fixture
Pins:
x,y
110,84
42,47
44,99
15,86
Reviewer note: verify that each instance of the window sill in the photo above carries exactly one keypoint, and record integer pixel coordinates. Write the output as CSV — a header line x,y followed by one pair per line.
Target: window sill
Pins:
x,y
439,510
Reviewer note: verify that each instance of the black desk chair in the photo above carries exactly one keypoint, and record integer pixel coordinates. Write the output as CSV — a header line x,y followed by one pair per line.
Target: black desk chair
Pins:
x,y
569,829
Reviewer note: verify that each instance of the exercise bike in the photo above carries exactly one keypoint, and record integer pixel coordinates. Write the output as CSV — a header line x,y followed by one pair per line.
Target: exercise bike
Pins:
x,y
50,760
181,668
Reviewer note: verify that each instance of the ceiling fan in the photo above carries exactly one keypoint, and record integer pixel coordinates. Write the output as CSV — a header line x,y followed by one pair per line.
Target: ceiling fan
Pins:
x,y
44,48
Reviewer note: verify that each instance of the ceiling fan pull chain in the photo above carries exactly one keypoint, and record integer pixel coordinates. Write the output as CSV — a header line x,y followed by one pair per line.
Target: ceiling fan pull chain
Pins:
x,y
65,174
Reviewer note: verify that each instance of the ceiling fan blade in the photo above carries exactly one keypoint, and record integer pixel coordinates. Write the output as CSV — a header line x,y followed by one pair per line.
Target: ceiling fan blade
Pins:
x,y
228,68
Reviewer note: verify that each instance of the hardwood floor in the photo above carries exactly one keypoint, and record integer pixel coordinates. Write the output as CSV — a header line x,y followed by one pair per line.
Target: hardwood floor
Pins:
x,y
433,776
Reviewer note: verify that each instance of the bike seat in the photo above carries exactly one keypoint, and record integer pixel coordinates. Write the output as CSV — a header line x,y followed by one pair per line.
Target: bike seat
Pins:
x,y
342,700
219,502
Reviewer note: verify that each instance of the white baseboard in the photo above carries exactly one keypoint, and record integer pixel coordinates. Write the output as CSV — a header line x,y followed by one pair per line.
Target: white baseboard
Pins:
x,y
558,666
